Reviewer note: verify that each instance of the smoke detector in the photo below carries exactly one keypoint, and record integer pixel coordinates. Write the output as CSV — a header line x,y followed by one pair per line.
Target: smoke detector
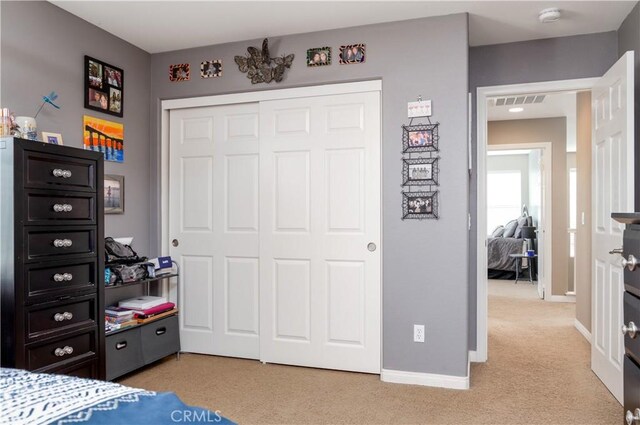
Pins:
x,y
546,16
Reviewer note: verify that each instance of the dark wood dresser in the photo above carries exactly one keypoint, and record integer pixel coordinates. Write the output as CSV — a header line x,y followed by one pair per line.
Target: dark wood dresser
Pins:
x,y
631,315
51,258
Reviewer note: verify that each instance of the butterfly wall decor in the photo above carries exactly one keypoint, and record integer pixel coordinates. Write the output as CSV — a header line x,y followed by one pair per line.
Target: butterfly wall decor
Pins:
x,y
260,67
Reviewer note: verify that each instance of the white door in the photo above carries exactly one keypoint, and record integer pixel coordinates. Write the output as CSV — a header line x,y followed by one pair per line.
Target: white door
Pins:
x,y
613,191
320,197
537,193
214,217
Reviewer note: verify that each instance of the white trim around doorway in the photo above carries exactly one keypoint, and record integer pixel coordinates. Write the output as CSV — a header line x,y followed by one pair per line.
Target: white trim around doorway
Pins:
x,y
483,93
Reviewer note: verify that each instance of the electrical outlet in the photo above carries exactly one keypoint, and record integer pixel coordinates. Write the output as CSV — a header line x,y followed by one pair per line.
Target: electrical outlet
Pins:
x,y
418,333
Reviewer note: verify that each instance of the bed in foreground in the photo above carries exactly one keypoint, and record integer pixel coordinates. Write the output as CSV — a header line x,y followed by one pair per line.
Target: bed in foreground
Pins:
x,y
36,398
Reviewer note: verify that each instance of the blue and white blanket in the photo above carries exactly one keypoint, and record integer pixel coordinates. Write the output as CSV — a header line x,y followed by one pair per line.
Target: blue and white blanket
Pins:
x,y
28,398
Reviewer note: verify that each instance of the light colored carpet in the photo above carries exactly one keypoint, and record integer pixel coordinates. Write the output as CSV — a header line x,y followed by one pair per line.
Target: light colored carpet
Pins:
x,y
538,373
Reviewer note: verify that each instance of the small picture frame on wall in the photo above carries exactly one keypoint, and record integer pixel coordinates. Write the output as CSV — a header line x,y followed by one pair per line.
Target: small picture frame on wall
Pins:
x,y
211,69
420,138
419,205
103,87
113,194
52,138
420,171
179,72
319,56
353,53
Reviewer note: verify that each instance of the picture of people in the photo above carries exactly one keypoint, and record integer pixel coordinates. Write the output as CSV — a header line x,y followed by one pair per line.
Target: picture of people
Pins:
x,y
179,72
420,138
95,74
419,205
211,69
115,100
113,77
352,53
98,99
113,194
319,56
104,87
420,171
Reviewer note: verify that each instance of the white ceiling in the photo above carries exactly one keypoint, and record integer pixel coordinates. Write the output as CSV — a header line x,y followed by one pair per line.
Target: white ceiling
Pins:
x,y
160,26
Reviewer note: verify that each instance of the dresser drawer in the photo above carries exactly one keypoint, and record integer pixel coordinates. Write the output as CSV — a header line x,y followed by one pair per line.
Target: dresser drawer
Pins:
x,y
631,386
59,278
51,355
123,352
84,369
47,171
59,242
632,314
46,208
62,316
160,338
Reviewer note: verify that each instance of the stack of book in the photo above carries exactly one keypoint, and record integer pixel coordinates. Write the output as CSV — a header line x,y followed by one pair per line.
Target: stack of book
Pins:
x,y
117,318
148,308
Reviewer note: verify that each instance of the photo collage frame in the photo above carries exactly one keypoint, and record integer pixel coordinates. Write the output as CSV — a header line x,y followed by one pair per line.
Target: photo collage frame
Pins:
x,y
420,170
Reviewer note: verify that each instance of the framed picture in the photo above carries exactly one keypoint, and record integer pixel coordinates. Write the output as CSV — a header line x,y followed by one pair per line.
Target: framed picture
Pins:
x,y
319,56
419,205
352,53
103,87
420,138
113,194
211,69
179,72
52,138
420,171
104,136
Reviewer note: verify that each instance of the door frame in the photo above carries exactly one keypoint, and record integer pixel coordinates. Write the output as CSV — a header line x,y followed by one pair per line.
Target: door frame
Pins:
x,y
167,106
547,249
483,93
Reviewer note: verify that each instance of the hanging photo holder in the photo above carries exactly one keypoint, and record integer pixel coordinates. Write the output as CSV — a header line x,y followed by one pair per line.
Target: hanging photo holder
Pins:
x,y
420,138
419,205
420,171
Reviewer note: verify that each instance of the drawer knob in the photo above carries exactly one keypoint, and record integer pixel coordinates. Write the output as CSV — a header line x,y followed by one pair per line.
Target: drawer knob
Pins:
x,y
59,352
61,317
632,417
67,276
58,277
62,243
65,174
630,263
62,207
631,329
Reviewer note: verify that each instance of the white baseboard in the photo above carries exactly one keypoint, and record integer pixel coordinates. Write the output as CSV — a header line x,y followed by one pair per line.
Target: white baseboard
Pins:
x,y
475,357
425,379
580,327
560,298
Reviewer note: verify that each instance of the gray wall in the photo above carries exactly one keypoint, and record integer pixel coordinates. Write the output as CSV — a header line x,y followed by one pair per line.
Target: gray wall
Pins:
x,y
554,131
423,281
563,58
43,49
629,39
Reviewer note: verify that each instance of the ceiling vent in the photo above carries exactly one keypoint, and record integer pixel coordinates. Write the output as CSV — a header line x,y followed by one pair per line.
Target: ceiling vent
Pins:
x,y
519,100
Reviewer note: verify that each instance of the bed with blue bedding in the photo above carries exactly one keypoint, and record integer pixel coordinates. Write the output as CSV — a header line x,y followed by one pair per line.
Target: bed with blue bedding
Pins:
x,y
28,398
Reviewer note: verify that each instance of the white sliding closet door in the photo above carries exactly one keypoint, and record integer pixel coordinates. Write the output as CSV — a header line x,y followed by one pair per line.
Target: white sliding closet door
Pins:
x,y
320,210
214,217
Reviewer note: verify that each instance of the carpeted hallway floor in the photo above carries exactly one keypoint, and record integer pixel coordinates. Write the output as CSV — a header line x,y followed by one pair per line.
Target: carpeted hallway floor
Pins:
x,y
538,373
